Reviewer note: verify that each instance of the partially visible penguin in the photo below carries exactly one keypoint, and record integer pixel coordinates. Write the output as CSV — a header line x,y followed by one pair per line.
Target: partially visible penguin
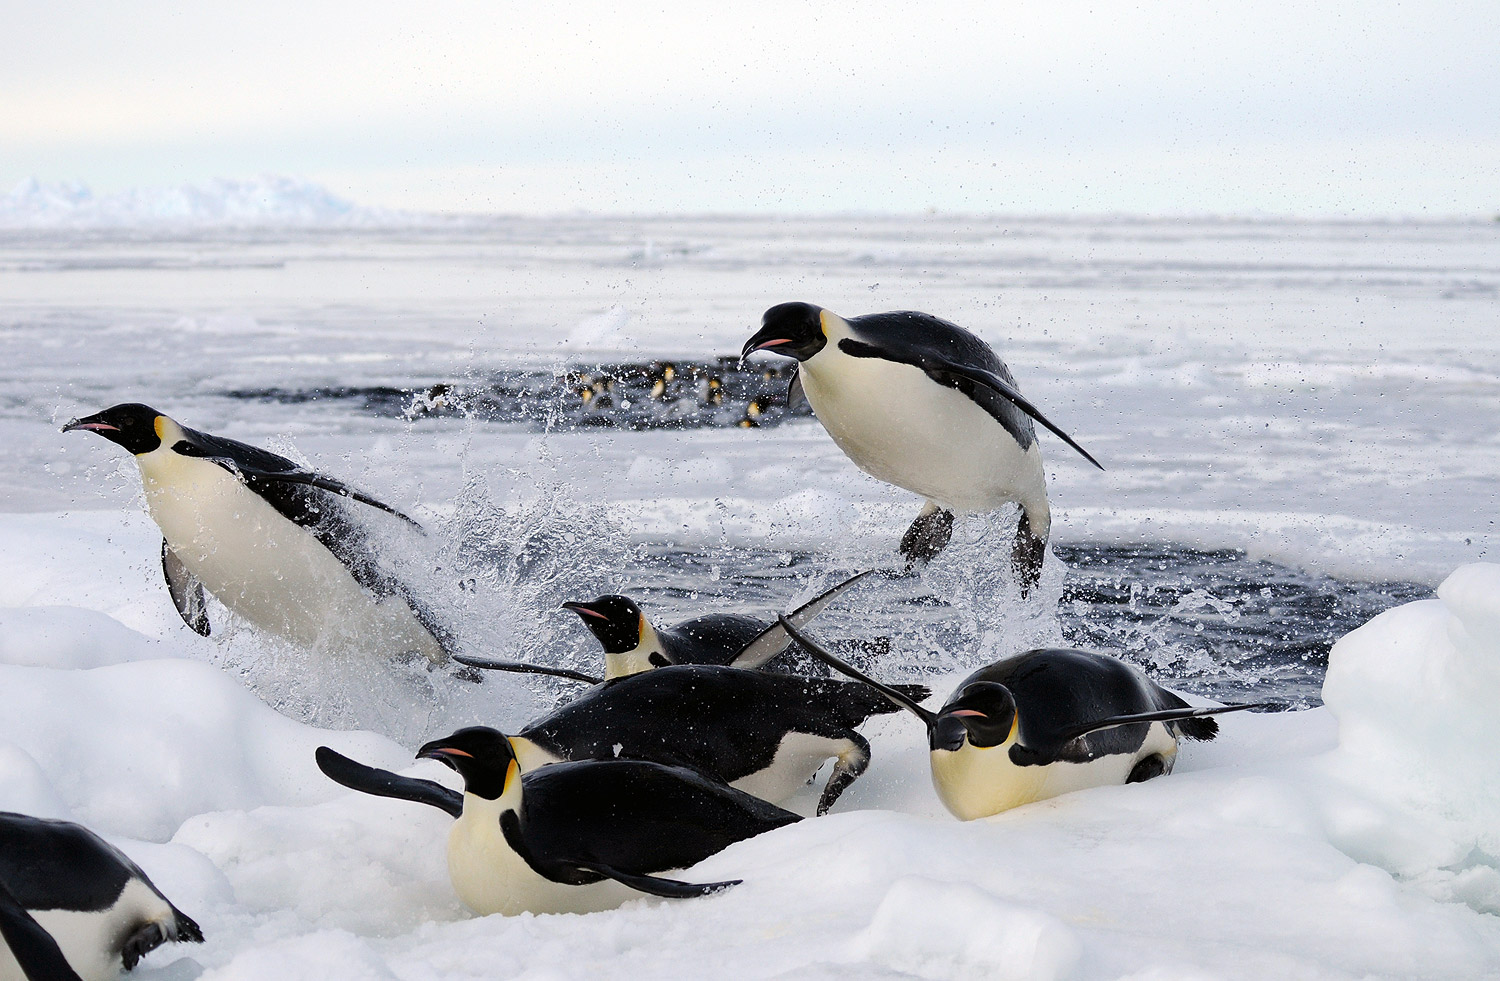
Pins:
x,y
632,644
1046,722
923,404
275,542
97,906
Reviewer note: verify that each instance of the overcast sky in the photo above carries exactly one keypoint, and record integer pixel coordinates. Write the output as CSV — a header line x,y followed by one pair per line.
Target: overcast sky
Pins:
x,y
1349,108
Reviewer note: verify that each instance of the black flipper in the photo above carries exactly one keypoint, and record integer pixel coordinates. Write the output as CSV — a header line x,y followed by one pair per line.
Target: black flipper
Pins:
x,y
186,590
383,783
774,639
795,396
955,375
521,667
928,535
33,947
657,886
1165,715
894,693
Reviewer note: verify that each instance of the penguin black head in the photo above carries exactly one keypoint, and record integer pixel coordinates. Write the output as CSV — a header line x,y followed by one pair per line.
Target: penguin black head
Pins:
x,y
481,755
792,329
130,424
615,620
984,713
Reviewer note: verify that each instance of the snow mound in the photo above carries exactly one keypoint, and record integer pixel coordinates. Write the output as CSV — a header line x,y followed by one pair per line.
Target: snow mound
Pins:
x,y
221,202
1416,692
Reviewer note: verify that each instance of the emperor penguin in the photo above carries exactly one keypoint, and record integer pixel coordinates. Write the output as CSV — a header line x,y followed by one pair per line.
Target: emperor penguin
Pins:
x,y
69,899
569,838
1046,722
926,405
276,543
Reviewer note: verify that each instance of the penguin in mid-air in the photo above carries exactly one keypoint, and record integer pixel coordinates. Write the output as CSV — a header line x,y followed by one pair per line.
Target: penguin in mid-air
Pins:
x,y
97,908
631,644
275,542
1043,723
570,838
764,733
923,404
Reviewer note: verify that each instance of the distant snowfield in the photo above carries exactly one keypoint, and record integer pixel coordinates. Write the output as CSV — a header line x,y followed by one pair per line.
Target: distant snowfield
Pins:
x,y
1351,841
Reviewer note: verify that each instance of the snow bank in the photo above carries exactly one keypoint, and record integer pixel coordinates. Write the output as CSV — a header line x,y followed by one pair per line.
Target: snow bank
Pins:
x,y
263,201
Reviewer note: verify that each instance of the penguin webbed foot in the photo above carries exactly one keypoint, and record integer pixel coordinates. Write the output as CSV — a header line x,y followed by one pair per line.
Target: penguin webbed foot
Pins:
x,y
847,770
928,535
142,942
1027,554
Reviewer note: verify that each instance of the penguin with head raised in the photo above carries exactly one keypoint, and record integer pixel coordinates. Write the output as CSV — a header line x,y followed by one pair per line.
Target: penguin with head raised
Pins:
x,y
276,543
926,405
99,910
1043,723
569,838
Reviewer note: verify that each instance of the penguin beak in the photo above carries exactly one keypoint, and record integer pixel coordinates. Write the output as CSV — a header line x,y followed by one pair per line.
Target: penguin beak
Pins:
x,y
756,344
584,610
100,427
441,753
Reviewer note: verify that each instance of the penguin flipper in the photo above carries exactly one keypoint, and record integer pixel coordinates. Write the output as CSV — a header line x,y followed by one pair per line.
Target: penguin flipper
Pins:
x,y
961,376
186,591
521,667
795,396
774,639
1164,715
383,783
658,886
34,949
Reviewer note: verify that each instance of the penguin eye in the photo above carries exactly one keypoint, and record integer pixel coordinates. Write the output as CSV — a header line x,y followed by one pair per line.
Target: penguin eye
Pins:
x,y
658,660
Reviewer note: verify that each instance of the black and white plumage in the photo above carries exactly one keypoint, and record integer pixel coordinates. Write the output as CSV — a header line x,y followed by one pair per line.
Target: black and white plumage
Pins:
x,y
1045,722
928,406
99,910
574,837
276,543
633,644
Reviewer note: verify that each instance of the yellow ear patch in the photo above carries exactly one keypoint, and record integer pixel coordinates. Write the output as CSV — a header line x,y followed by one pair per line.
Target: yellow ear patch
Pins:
x,y
823,321
159,425
510,773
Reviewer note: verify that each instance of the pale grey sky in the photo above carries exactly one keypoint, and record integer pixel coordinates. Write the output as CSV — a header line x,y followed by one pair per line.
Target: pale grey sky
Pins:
x,y
1345,108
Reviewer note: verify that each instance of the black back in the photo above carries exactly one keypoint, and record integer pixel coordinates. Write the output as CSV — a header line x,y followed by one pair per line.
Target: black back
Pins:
x,y
726,722
929,343
634,816
50,864
1056,689
712,639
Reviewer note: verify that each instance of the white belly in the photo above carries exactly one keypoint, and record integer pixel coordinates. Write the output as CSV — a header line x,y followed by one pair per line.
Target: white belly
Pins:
x,y
91,941
898,425
491,878
268,570
797,760
976,782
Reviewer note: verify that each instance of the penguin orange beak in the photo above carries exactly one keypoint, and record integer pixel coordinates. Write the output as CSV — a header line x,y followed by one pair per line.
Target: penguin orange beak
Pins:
x,y
584,610
95,426
751,346
441,753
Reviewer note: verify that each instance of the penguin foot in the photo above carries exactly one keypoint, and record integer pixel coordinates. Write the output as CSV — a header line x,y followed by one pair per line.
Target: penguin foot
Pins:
x,y
927,536
1026,556
141,943
1151,766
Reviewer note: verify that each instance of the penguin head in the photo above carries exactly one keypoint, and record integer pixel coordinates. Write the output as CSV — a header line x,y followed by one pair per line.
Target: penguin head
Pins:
x,y
793,329
131,424
615,620
983,714
483,756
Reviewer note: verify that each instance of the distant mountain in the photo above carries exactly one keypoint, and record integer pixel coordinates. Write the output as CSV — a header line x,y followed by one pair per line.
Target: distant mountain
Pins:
x,y
267,201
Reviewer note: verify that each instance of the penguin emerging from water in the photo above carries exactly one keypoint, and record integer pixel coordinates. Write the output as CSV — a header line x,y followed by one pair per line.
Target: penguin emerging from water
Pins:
x,y
570,838
763,733
923,404
275,542
1043,723
96,907
632,644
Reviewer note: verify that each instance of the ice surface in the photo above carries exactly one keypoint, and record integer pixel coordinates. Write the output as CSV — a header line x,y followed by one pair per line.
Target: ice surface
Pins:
x,y
269,200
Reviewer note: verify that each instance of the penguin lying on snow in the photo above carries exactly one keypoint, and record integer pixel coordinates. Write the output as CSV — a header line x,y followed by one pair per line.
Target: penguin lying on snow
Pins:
x,y
923,404
765,734
632,644
97,907
271,539
1043,723
566,838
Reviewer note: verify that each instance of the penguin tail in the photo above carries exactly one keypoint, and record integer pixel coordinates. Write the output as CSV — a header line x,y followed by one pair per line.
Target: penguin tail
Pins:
x,y
1203,728
188,930
859,701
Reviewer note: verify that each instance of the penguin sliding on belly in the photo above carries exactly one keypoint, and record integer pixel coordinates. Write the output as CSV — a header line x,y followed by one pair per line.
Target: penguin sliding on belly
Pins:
x,y
1043,723
763,733
274,542
96,907
921,403
570,838
631,644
